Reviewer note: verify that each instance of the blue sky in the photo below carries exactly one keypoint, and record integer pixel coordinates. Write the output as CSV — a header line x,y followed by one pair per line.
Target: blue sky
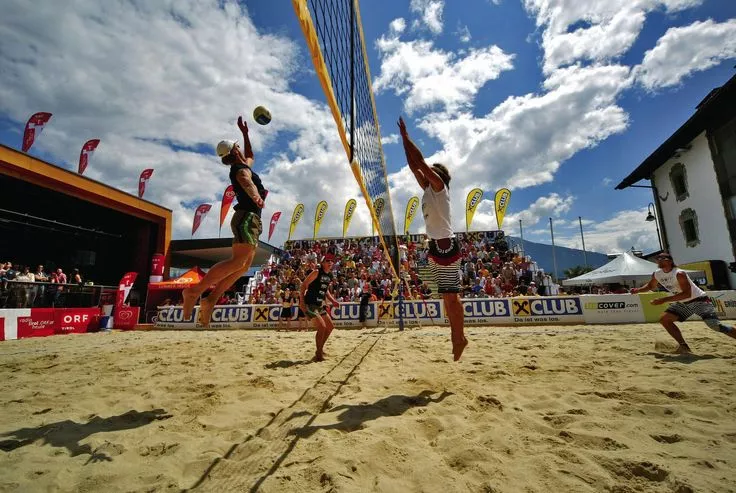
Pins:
x,y
556,99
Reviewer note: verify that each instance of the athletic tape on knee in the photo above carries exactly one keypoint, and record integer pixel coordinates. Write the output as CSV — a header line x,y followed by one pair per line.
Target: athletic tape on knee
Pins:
x,y
716,325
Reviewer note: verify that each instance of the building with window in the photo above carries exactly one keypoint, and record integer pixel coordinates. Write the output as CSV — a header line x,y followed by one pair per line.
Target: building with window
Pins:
x,y
693,180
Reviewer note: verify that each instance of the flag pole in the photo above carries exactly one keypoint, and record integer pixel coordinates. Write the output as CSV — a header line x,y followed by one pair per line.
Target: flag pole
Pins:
x,y
554,257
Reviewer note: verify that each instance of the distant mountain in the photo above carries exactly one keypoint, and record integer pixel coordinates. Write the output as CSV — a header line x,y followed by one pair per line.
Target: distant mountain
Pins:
x,y
566,257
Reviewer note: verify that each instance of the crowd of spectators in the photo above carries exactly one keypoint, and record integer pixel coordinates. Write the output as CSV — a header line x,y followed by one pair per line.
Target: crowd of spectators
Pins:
x,y
21,287
488,268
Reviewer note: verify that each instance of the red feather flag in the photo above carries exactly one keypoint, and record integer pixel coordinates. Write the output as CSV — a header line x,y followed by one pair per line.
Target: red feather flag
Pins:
x,y
86,153
145,176
34,126
199,214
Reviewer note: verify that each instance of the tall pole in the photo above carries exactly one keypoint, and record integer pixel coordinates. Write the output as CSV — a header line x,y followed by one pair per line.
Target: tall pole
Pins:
x,y
554,257
521,233
352,83
582,236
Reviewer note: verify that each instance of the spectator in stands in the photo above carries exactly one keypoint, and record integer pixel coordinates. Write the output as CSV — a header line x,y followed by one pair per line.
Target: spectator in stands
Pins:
x,y
60,276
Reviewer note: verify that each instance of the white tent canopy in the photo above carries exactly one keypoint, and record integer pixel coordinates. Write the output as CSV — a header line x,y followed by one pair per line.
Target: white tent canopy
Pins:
x,y
623,269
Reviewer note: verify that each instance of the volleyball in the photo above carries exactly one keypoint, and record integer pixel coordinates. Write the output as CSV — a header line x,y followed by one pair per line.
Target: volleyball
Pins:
x,y
262,115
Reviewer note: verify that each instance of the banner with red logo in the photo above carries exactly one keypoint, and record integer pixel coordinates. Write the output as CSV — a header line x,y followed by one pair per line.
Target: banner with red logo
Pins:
x,y
86,153
274,219
199,215
126,317
126,283
157,267
41,322
227,198
34,126
145,176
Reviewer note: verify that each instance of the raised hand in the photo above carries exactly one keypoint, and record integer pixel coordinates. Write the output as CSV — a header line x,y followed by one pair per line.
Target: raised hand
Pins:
x,y
402,128
242,125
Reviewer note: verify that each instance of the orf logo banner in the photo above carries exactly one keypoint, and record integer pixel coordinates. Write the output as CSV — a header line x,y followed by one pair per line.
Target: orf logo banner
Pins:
x,y
411,211
471,204
274,220
199,215
124,289
319,215
349,211
34,126
86,153
145,176
501,201
227,198
296,216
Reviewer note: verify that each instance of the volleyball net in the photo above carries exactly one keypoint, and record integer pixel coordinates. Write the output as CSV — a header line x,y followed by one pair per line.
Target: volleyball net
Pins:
x,y
334,35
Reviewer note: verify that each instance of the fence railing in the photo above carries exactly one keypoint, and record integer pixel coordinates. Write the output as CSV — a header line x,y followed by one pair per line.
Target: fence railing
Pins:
x,y
22,294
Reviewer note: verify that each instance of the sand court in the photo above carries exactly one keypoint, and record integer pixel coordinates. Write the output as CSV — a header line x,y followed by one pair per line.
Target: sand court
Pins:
x,y
576,408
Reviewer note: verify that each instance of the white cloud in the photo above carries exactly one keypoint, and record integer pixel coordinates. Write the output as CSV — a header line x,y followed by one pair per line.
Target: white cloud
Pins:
x,y
429,77
625,229
601,31
684,50
397,26
430,12
390,139
607,181
155,81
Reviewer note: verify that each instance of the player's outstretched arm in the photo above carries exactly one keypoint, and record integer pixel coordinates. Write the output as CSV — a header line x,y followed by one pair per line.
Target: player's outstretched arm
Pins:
x,y
247,148
413,155
652,284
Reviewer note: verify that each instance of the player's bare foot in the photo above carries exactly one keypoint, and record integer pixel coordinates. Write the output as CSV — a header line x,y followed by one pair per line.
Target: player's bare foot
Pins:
x,y
458,348
318,357
683,349
205,311
190,299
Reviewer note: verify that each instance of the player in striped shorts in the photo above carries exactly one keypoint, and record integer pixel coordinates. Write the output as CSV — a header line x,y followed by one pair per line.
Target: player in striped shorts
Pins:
x,y
444,251
687,300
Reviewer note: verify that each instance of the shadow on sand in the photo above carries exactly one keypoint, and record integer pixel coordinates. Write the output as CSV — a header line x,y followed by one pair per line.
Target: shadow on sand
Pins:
x,y
354,417
69,433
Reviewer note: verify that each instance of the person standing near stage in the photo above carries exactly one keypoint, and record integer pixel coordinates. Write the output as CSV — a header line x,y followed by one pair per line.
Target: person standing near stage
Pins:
x,y
312,294
246,227
687,299
444,251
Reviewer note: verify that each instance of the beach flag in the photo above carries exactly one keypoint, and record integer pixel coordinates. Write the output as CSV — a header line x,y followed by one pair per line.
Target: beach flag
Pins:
x,y
145,176
378,206
296,216
471,204
227,199
501,201
274,220
350,207
411,211
319,216
33,129
86,153
199,215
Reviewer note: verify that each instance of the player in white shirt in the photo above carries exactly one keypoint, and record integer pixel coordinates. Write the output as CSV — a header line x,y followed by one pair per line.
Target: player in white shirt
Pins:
x,y
444,250
687,299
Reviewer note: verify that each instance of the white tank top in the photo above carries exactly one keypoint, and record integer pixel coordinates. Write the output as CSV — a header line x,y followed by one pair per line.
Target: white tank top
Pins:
x,y
668,280
436,211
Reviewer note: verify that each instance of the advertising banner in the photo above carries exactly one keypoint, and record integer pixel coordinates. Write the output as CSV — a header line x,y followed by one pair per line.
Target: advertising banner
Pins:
x,y
550,309
487,311
41,322
126,317
612,308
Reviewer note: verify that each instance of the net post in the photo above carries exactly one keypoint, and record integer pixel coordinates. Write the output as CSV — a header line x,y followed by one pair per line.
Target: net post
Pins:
x,y
352,81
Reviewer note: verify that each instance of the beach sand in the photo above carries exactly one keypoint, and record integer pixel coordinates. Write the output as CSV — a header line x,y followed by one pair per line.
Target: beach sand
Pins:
x,y
549,409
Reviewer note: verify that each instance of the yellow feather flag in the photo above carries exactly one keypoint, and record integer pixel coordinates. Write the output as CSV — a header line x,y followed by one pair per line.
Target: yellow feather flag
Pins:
x,y
349,211
295,218
471,204
319,215
501,201
411,211
378,208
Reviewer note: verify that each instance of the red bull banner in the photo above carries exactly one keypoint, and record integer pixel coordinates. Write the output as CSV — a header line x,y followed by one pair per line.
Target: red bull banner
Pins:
x,y
274,220
86,153
142,180
33,129
199,215
157,267
227,199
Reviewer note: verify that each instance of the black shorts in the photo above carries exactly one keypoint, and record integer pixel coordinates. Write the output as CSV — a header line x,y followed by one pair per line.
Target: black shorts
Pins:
x,y
286,312
246,227
701,307
316,310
